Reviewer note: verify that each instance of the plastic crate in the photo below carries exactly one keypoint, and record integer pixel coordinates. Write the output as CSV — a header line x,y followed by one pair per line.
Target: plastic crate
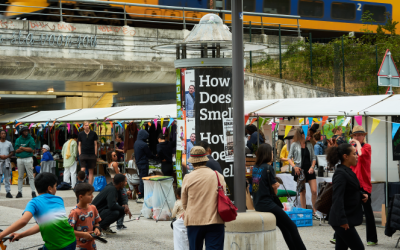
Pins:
x,y
301,217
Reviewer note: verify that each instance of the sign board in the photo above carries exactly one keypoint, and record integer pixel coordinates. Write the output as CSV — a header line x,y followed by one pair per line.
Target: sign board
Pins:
x,y
388,74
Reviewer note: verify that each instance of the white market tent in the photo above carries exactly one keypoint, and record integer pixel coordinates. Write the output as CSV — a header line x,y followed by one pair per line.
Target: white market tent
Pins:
x,y
390,106
44,116
94,114
146,112
11,117
318,107
254,106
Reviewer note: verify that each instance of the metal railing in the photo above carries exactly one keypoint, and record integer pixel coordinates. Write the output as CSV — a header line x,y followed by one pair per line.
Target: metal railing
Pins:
x,y
124,16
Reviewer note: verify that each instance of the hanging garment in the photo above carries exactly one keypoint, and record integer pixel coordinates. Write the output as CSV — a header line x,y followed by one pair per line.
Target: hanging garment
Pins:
x,y
131,133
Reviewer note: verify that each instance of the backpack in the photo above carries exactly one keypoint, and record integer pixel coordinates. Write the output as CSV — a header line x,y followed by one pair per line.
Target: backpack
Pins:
x,y
64,186
324,199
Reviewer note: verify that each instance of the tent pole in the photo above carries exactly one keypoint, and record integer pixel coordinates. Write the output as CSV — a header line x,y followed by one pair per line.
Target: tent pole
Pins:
x,y
366,125
258,132
387,163
273,140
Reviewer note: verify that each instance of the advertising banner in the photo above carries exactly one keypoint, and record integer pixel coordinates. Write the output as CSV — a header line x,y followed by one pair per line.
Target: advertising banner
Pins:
x,y
228,139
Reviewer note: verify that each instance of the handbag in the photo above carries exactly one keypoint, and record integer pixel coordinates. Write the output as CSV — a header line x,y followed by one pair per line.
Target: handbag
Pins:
x,y
324,199
275,198
226,209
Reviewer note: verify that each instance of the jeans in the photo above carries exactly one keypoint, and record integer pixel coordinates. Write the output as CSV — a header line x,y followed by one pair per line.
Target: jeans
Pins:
x,y
213,235
6,168
346,239
288,229
370,219
143,172
25,165
70,175
108,217
69,247
120,221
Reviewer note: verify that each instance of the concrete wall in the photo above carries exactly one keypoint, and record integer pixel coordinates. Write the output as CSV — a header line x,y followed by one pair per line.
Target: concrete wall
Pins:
x,y
258,87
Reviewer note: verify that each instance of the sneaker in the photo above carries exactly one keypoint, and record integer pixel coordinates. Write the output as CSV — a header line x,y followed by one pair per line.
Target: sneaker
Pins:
x,y
9,195
316,217
370,243
333,241
19,195
33,194
140,200
108,231
123,227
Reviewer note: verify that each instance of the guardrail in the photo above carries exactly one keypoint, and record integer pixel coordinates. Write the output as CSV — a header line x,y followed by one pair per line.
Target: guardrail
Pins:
x,y
125,16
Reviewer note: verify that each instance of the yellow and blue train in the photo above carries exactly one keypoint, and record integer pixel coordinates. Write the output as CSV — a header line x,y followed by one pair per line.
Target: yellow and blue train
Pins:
x,y
316,15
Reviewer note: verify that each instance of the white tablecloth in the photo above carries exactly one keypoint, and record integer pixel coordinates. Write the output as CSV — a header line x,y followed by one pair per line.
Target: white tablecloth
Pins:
x,y
290,184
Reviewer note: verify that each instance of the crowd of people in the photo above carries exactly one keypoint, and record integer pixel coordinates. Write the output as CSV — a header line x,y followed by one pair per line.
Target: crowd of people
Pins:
x,y
197,221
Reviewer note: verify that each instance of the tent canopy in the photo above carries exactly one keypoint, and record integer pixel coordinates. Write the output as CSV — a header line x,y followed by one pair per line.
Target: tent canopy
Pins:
x,y
94,114
254,106
6,118
44,116
389,106
146,112
314,107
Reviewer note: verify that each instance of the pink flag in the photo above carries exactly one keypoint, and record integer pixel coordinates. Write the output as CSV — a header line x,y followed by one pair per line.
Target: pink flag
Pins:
x,y
155,122
273,126
163,130
31,125
358,119
68,127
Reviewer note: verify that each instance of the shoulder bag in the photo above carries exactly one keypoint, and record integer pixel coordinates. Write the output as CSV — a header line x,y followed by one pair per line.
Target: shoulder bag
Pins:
x,y
324,199
226,209
275,198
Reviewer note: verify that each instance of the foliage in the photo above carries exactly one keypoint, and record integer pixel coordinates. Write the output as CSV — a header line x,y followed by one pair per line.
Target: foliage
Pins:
x,y
361,58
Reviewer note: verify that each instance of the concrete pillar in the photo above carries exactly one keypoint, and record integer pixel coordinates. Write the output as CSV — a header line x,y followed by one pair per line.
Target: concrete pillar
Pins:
x,y
251,231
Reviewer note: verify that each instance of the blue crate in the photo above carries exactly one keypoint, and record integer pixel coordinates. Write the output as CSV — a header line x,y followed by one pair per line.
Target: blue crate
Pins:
x,y
301,217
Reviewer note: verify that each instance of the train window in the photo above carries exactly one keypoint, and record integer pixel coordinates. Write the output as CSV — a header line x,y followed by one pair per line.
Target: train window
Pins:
x,y
277,7
344,11
248,5
378,11
311,8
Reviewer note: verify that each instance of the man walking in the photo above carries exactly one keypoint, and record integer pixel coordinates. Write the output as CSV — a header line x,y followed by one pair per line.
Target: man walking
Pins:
x,y
24,147
142,155
6,151
87,147
69,154
363,172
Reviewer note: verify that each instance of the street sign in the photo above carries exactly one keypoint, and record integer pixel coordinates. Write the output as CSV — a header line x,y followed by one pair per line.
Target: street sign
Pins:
x,y
388,74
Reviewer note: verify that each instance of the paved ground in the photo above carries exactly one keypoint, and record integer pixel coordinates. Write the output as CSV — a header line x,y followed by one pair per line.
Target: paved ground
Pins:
x,y
147,234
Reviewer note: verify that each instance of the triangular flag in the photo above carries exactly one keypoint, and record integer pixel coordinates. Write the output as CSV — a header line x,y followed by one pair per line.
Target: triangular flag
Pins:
x,y
162,122
395,127
252,121
375,123
310,119
155,122
58,125
348,119
45,124
305,130
316,120
273,126
358,119
163,130
141,124
260,122
126,125
120,124
324,118
149,123
246,118
30,126
111,124
77,128
68,127
301,120
170,122
287,130
340,120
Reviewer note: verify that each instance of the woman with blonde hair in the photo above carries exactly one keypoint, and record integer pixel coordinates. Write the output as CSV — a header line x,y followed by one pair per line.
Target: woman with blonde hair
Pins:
x,y
302,159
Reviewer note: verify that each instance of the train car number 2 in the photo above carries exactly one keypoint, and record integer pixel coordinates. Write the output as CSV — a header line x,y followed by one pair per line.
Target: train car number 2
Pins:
x,y
359,6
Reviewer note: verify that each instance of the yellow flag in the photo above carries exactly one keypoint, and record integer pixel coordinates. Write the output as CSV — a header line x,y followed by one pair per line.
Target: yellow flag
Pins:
x,y
301,120
375,123
126,125
162,122
287,130
316,120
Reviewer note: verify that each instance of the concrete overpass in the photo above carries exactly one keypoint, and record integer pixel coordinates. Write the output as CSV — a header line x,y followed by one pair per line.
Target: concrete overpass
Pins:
x,y
94,65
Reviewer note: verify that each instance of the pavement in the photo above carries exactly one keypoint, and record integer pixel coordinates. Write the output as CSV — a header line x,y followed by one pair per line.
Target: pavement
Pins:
x,y
148,234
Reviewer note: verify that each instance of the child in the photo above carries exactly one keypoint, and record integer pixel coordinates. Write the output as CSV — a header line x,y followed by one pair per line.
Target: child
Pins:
x,y
181,241
85,218
46,154
81,179
49,213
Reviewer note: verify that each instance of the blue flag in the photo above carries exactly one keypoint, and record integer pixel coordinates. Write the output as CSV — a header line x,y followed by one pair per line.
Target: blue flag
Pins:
x,y
305,130
395,127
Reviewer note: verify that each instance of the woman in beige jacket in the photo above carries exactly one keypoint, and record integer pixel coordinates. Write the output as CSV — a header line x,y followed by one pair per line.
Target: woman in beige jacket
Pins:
x,y
199,199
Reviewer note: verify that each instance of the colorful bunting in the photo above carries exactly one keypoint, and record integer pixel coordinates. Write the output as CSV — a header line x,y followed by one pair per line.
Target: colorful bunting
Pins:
x,y
141,124
305,130
260,122
310,119
155,122
340,120
375,123
395,127
246,119
287,130
348,119
162,122
170,122
252,121
324,118
120,124
68,127
358,119
163,130
273,126
301,120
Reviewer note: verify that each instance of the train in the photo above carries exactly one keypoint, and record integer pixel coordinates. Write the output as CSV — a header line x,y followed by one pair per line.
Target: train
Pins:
x,y
316,15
